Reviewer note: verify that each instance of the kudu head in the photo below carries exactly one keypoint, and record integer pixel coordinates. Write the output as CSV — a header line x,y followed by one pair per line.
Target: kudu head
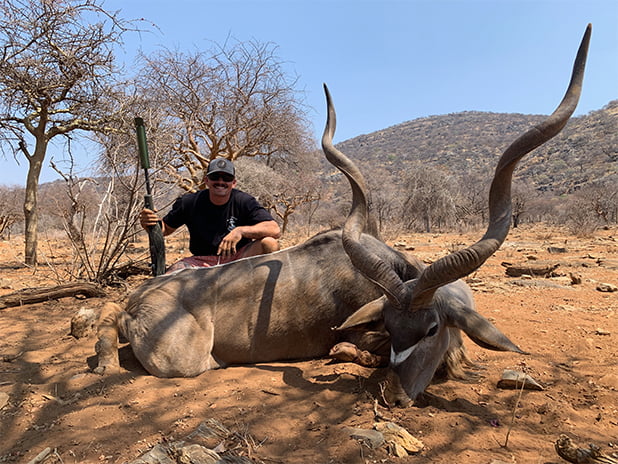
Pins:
x,y
420,313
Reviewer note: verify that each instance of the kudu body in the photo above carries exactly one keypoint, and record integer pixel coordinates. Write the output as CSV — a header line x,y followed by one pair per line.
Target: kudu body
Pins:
x,y
284,305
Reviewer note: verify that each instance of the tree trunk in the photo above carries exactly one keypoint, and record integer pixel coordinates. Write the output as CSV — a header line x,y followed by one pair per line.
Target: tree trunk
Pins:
x,y
427,223
30,202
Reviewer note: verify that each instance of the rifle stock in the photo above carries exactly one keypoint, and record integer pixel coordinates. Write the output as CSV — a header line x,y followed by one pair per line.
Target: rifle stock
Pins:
x,y
155,233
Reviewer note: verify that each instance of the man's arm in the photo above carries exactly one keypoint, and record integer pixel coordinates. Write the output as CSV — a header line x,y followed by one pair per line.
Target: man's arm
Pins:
x,y
260,230
254,232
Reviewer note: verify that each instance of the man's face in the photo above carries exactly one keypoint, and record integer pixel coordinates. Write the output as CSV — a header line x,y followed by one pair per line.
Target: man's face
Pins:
x,y
220,184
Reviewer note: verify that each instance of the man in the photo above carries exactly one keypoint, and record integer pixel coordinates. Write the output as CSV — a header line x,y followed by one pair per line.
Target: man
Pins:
x,y
225,224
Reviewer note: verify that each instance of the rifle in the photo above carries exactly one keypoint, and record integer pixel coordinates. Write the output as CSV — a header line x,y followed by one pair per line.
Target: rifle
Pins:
x,y
155,233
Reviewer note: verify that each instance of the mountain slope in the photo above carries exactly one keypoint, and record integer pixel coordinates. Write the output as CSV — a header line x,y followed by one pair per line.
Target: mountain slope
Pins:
x,y
585,151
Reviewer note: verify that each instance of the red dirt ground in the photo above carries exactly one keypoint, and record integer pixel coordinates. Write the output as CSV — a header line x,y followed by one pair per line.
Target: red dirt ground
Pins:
x,y
297,412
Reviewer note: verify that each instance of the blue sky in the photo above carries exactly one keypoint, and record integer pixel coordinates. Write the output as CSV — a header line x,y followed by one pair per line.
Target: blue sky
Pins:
x,y
387,62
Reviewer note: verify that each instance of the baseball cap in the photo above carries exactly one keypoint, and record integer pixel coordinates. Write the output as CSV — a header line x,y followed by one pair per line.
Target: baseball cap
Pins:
x,y
221,165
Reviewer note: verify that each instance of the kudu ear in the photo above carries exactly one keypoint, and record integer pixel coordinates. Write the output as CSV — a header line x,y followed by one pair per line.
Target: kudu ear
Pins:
x,y
480,330
371,312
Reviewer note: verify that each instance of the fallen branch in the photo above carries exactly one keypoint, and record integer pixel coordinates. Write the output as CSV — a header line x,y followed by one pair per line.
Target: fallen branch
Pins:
x,y
42,456
515,270
37,295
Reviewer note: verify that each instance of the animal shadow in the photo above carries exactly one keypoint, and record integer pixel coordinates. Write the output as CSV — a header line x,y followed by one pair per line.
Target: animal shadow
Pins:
x,y
344,382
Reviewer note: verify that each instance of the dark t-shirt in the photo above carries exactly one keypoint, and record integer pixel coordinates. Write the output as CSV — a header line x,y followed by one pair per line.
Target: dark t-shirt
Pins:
x,y
209,223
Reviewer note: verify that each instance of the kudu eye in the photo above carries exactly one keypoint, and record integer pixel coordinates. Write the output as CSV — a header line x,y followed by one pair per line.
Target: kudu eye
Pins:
x,y
432,330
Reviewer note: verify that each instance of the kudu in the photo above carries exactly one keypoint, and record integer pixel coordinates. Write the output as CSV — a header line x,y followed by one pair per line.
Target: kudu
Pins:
x,y
420,314
284,305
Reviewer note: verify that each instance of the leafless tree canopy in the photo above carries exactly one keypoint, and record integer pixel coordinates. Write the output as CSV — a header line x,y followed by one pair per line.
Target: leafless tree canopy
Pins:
x,y
283,186
594,205
56,72
231,102
10,213
428,198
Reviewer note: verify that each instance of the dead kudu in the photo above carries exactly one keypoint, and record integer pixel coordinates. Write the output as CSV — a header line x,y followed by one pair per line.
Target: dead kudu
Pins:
x,y
284,305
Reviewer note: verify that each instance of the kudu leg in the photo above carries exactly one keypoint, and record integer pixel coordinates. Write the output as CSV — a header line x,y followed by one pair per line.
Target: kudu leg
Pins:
x,y
107,345
348,352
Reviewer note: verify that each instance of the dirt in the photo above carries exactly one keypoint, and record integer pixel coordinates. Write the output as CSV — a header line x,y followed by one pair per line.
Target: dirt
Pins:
x,y
298,412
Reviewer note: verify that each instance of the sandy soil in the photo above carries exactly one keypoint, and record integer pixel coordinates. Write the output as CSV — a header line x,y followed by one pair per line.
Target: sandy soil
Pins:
x,y
298,412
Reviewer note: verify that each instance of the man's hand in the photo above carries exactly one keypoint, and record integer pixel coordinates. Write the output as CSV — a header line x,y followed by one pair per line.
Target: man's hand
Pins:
x,y
148,218
227,247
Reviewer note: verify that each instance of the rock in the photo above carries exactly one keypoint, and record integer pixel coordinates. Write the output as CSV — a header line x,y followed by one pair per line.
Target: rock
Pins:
x,y
41,457
399,439
568,451
576,279
607,288
83,322
372,438
179,452
157,455
185,452
529,282
609,381
210,428
513,380
4,399
397,450
564,307
196,454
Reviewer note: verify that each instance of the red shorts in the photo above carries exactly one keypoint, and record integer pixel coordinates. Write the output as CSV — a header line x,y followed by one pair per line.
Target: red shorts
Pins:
x,y
205,261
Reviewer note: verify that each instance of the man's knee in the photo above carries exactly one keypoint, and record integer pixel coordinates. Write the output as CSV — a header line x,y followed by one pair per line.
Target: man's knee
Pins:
x,y
260,247
269,245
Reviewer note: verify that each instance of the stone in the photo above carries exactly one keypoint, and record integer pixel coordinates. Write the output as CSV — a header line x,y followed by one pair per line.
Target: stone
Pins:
x,y
513,380
4,399
372,438
399,438
606,288
83,322
609,381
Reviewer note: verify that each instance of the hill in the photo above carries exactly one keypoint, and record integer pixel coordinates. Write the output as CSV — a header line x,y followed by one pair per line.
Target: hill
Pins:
x,y
585,151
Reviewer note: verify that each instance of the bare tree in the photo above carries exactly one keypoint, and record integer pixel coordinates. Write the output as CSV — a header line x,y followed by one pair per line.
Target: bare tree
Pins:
x,y
593,206
231,102
522,193
429,196
9,210
472,195
386,201
282,187
543,207
100,215
57,68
